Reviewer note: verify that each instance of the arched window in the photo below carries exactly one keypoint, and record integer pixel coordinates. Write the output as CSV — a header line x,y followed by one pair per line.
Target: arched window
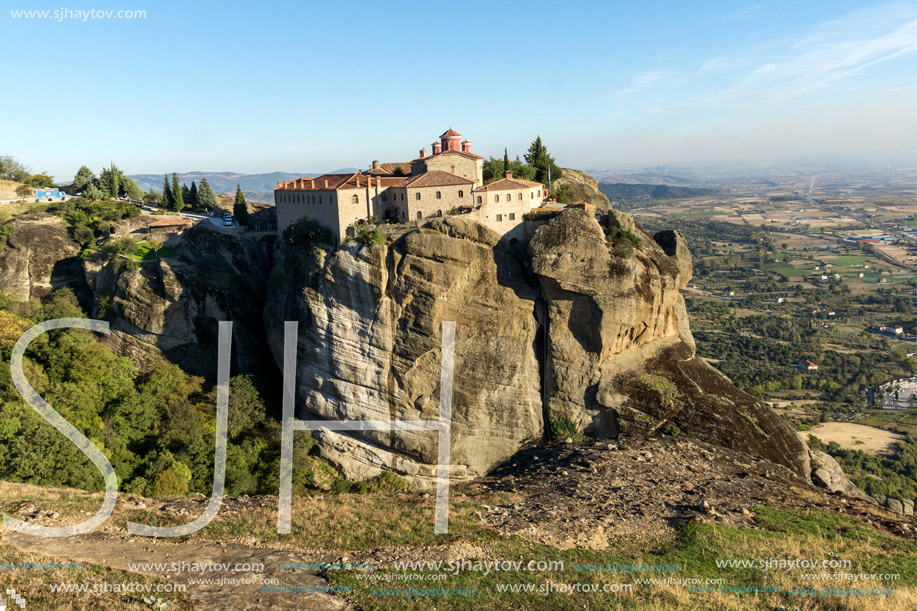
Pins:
x,y
417,196
439,213
461,193
355,199
520,196
480,199
439,195
509,197
419,214
533,195
496,198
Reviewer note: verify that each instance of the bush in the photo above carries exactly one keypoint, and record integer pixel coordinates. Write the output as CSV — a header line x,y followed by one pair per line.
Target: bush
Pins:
x,y
370,234
306,233
386,482
562,428
623,242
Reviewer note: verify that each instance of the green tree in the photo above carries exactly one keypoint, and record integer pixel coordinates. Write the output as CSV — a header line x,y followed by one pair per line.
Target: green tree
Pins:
x,y
539,158
82,178
193,197
206,198
11,169
110,181
239,207
25,191
93,193
166,192
506,167
178,201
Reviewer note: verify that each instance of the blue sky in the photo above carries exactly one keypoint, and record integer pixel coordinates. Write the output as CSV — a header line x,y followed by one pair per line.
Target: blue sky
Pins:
x,y
305,86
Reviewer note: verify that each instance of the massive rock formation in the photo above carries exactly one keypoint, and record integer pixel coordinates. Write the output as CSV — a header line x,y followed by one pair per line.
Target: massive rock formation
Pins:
x,y
569,333
370,339
174,304
584,188
39,257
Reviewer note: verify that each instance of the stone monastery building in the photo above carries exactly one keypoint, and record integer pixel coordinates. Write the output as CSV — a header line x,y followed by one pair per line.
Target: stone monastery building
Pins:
x,y
449,179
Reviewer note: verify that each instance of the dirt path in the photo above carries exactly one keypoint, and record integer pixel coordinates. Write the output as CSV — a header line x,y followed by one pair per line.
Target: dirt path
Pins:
x,y
124,553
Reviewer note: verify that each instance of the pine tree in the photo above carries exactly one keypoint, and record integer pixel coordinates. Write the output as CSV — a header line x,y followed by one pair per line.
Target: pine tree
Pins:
x,y
539,158
206,197
177,200
193,199
506,166
83,177
166,193
240,208
186,195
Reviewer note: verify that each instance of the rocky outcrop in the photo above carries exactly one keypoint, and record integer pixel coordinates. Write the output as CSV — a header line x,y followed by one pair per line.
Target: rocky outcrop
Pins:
x,y
584,188
370,321
620,355
827,473
571,335
39,257
174,304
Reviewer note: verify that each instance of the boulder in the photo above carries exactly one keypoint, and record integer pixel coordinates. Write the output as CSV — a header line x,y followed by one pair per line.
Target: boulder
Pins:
x,y
827,473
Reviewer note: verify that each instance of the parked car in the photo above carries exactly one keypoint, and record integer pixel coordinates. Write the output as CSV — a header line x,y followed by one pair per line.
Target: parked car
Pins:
x,y
227,221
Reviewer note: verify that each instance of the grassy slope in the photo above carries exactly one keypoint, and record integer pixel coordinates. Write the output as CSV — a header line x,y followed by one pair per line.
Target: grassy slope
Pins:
x,y
358,525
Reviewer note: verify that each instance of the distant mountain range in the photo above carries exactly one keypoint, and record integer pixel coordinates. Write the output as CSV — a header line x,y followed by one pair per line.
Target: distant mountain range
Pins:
x,y
256,187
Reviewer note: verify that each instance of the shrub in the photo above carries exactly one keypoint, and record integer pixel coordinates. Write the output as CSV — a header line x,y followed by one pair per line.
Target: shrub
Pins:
x,y
369,234
306,233
623,242
563,428
386,482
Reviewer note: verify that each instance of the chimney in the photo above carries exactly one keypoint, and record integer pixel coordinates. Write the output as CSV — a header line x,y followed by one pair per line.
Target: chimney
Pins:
x,y
326,183
508,174
466,146
437,148
375,164
312,184
423,153
279,184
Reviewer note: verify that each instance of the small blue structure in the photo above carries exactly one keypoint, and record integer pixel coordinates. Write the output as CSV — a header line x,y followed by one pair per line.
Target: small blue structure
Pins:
x,y
48,194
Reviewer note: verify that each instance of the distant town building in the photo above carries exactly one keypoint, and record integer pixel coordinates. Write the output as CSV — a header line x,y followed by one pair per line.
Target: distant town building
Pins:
x,y
450,180
806,365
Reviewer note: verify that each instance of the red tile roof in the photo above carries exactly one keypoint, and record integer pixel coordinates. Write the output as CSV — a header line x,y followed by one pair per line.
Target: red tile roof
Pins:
x,y
508,184
435,178
450,133
451,152
333,182
170,223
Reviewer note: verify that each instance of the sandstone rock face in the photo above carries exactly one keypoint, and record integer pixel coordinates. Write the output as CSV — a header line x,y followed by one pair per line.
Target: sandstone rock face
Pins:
x,y
827,473
558,334
174,304
585,188
39,257
370,321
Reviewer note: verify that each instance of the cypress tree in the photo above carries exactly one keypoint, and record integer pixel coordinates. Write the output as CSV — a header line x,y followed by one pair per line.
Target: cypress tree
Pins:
x,y
240,208
176,193
193,198
166,193
206,197
506,166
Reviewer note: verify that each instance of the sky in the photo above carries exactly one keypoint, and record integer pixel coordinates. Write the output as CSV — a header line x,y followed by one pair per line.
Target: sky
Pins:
x,y
314,86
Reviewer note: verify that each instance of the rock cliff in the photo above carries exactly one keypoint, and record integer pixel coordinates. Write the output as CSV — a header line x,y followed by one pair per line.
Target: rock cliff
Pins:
x,y
173,304
39,257
584,188
571,335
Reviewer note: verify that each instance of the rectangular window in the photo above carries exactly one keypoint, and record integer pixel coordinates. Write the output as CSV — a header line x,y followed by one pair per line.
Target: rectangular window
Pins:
x,y
512,216
499,217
